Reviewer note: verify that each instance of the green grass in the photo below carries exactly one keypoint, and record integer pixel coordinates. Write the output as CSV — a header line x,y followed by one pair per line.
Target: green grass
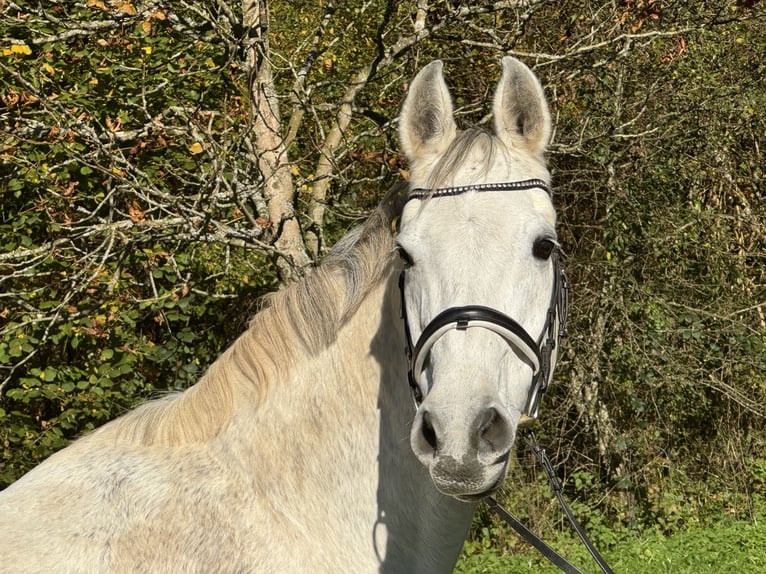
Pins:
x,y
736,547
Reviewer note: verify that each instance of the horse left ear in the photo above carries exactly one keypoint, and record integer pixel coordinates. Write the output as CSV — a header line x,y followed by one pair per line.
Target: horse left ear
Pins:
x,y
426,125
522,118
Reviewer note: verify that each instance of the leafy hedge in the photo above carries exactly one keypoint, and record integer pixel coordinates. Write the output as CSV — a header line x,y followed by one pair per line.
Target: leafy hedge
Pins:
x,y
107,298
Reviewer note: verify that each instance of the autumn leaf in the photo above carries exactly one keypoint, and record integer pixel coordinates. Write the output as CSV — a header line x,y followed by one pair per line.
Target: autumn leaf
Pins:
x,y
21,49
114,125
196,148
127,8
135,212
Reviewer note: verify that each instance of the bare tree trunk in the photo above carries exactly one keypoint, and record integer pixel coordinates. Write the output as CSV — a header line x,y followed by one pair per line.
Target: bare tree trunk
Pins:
x,y
269,145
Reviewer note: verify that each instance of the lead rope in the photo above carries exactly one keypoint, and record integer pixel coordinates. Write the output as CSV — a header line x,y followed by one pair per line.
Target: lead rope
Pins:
x,y
526,534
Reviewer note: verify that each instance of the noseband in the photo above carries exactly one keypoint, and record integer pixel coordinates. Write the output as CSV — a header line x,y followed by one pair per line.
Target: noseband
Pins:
x,y
539,353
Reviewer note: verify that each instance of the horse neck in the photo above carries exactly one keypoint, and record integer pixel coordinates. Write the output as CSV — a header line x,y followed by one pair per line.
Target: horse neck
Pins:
x,y
425,529
347,424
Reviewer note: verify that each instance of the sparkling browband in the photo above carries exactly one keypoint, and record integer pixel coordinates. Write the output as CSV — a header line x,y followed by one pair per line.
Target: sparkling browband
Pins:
x,y
422,193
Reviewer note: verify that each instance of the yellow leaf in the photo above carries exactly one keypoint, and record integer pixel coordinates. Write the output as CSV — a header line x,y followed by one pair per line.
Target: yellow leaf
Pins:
x,y
196,148
294,169
21,49
146,26
147,50
48,68
127,8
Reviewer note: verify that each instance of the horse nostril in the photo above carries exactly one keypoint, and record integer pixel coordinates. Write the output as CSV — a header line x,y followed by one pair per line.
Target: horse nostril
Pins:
x,y
493,428
486,420
427,430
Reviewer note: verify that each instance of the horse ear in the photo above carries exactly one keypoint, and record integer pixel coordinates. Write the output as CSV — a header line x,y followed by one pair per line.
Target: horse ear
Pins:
x,y
426,125
522,118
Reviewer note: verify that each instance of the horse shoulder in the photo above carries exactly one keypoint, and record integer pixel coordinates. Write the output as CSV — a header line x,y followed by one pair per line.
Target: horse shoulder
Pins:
x,y
100,504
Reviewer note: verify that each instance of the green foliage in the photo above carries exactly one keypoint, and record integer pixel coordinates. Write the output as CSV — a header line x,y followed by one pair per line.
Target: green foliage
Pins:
x,y
113,346
109,297
659,179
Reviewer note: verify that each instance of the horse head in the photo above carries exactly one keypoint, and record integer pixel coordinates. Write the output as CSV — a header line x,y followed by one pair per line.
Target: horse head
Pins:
x,y
477,238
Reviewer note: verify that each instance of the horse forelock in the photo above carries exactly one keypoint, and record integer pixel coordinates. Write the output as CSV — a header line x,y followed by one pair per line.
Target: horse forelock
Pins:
x,y
460,150
298,321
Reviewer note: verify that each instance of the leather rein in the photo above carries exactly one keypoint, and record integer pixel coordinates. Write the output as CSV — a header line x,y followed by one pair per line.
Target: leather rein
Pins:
x,y
540,353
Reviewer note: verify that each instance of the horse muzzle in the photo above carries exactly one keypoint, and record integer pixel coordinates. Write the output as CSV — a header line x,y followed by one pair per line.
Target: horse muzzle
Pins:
x,y
469,461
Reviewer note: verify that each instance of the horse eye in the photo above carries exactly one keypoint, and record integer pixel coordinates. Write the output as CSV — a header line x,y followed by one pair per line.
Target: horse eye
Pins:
x,y
543,247
405,257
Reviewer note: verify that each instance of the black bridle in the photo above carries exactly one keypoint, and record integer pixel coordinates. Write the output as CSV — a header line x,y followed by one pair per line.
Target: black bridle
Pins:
x,y
540,353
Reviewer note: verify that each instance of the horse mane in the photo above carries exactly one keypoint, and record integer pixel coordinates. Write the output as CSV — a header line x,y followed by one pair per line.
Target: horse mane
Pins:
x,y
299,320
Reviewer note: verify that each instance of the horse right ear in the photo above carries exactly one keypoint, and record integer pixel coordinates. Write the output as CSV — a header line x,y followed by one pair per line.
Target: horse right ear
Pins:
x,y
426,125
522,119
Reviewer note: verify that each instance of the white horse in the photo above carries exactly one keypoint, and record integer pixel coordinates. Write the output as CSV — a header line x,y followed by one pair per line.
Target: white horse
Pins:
x,y
301,449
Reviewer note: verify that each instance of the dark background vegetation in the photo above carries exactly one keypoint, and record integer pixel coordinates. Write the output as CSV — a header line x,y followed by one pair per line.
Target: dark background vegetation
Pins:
x,y
140,220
